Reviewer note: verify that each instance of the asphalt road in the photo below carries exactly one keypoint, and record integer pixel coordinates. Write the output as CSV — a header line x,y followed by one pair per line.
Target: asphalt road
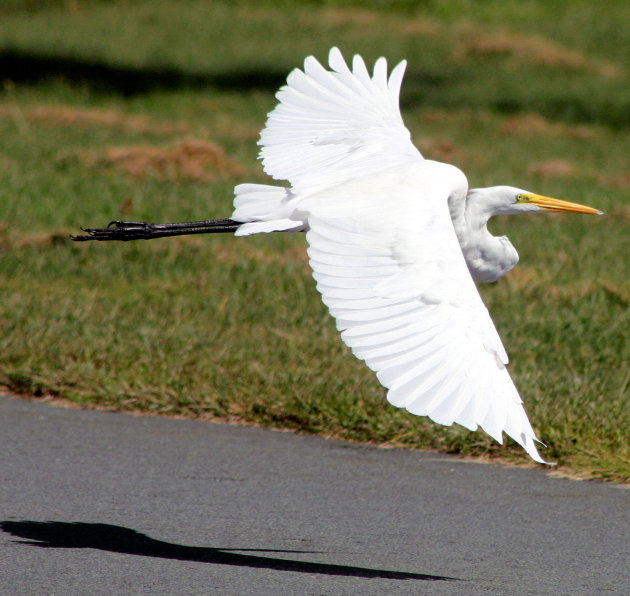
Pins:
x,y
106,503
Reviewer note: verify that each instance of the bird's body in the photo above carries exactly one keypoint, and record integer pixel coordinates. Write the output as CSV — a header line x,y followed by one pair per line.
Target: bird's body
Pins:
x,y
395,242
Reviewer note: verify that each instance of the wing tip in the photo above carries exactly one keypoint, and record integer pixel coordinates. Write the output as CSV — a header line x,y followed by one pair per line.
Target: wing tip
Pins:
x,y
528,442
336,60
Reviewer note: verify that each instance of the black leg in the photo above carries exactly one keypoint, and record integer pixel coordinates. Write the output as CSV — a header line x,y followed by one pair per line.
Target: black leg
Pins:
x,y
142,230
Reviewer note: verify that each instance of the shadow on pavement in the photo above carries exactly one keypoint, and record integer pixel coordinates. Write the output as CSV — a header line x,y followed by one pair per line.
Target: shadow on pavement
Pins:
x,y
55,534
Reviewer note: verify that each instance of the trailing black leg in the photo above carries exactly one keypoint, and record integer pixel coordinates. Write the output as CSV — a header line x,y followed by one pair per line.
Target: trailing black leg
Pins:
x,y
142,230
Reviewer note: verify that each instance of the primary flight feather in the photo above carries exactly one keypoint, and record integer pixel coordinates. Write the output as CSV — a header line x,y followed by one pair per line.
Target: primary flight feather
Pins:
x,y
395,242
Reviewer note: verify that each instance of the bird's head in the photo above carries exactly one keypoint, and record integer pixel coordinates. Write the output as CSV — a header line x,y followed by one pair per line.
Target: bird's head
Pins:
x,y
507,200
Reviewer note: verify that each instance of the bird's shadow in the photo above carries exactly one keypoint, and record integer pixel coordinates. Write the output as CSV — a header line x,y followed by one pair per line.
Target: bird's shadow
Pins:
x,y
107,537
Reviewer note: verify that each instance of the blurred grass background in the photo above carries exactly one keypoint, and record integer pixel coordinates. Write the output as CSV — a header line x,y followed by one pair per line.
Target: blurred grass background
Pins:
x,y
151,111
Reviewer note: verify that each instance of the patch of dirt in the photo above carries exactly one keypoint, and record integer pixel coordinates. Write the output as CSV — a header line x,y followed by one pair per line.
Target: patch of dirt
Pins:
x,y
347,16
441,150
61,115
343,17
529,125
438,116
556,168
189,159
533,49
42,239
615,293
621,181
231,255
527,280
622,212
524,278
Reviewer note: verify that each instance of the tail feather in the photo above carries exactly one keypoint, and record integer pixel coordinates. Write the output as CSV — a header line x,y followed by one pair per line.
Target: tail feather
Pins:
x,y
263,208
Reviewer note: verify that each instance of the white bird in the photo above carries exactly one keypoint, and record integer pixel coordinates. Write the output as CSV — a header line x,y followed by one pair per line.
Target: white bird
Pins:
x,y
395,241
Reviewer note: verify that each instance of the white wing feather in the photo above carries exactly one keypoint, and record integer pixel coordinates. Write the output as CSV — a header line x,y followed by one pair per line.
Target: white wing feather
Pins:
x,y
405,303
331,127
382,245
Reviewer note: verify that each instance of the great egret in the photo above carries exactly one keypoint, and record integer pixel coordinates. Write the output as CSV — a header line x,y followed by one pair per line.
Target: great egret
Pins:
x,y
395,242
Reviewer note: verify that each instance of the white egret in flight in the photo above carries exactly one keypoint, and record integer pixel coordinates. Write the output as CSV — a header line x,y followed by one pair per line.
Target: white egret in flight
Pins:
x,y
395,241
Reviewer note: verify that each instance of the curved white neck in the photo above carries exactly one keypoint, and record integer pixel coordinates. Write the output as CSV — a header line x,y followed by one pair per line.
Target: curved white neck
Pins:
x,y
488,257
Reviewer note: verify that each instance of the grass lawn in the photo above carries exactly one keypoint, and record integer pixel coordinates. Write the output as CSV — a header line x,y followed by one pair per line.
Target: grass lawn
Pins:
x,y
151,111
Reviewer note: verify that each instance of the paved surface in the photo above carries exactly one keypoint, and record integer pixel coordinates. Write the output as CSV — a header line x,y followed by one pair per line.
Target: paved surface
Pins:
x,y
105,503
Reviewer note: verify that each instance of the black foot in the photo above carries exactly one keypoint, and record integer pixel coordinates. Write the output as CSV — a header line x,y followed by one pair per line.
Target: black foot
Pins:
x,y
118,230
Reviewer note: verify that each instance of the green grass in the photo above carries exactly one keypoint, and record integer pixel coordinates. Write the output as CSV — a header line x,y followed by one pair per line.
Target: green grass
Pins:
x,y
522,93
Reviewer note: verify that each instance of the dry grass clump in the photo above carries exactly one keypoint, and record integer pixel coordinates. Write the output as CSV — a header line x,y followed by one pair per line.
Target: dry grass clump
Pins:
x,y
189,159
358,17
554,168
441,150
530,281
70,116
528,125
532,49
621,181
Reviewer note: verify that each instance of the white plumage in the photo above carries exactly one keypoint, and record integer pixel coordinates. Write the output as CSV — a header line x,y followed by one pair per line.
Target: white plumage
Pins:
x,y
395,242
405,302
331,127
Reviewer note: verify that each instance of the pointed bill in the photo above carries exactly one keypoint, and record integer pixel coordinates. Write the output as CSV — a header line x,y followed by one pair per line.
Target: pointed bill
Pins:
x,y
549,204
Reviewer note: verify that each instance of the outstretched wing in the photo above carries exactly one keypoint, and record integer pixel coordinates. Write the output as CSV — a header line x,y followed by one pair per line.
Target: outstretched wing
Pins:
x,y
383,249
389,267
333,126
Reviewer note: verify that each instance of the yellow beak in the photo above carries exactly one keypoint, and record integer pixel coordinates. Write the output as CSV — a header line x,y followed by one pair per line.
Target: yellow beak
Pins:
x,y
549,204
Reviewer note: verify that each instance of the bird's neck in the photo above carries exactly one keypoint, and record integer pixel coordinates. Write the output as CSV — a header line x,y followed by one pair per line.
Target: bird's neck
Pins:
x,y
488,257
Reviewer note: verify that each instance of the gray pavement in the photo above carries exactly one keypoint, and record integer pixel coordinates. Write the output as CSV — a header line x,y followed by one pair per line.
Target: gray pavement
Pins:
x,y
105,503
